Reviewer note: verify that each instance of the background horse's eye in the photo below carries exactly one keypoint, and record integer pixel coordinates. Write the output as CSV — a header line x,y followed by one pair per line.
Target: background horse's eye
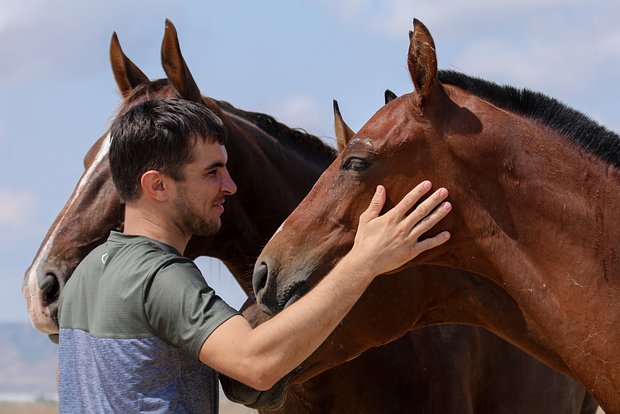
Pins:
x,y
355,164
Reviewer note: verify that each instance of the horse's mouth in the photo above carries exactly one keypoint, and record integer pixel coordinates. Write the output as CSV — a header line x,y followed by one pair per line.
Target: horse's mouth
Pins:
x,y
291,294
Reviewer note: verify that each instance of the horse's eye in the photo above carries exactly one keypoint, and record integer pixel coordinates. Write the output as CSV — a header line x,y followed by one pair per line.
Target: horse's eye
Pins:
x,y
355,164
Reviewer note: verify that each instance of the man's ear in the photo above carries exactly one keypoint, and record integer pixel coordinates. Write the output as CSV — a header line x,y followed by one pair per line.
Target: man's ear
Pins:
x,y
154,185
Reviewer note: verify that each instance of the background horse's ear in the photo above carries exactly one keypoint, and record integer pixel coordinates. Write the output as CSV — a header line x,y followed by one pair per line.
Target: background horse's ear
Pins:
x,y
175,67
126,73
343,132
389,96
422,62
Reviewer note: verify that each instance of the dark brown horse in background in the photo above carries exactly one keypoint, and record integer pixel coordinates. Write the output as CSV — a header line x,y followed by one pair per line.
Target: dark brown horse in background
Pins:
x,y
445,369
535,187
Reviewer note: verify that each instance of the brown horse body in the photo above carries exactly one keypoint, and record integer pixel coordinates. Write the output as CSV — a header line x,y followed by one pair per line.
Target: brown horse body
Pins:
x,y
535,188
440,369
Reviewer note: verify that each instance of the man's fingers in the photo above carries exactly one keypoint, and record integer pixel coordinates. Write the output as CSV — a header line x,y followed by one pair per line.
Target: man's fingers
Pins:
x,y
375,206
411,198
427,244
425,208
418,228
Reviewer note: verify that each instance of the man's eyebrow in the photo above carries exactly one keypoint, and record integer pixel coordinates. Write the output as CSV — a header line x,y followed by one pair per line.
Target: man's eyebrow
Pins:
x,y
216,164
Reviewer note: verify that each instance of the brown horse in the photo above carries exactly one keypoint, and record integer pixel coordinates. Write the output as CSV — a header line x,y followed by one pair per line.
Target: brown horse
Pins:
x,y
535,187
439,369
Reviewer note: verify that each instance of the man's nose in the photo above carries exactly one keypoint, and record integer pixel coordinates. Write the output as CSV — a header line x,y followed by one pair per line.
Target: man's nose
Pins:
x,y
228,185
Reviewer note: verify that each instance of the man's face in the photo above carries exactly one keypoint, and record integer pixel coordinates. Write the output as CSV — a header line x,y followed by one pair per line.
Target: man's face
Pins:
x,y
200,196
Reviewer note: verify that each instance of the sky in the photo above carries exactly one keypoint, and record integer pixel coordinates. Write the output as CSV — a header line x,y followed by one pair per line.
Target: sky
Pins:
x,y
288,59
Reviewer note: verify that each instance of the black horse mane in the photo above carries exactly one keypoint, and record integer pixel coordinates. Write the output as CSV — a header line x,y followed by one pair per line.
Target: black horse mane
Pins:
x,y
281,131
591,136
267,123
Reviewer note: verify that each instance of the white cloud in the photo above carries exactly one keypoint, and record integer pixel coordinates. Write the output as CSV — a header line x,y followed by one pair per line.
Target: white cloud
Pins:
x,y
567,62
346,9
61,38
300,111
12,12
556,46
394,17
16,207
529,65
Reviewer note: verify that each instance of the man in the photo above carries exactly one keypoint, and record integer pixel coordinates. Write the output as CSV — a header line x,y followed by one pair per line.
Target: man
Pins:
x,y
141,331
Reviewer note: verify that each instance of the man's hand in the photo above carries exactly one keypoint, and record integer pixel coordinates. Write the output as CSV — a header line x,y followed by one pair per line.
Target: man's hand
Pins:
x,y
384,243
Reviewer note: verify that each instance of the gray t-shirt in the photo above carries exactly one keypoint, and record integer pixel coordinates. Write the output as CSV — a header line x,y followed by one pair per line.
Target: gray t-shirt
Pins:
x,y
133,317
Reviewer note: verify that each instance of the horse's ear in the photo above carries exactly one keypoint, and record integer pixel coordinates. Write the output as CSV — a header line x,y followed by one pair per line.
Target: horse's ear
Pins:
x,y
126,73
389,96
422,62
343,132
175,67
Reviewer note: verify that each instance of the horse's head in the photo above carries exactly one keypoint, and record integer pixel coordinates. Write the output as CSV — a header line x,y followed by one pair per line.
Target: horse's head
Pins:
x,y
323,358
402,144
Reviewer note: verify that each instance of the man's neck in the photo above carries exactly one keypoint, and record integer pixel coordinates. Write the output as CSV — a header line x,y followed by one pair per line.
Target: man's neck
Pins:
x,y
145,222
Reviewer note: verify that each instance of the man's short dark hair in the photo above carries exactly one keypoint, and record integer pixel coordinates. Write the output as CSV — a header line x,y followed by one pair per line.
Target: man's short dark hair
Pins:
x,y
158,135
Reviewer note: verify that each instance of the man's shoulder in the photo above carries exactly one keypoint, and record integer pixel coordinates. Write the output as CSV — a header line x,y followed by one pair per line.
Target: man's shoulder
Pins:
x,y
96,256
141,251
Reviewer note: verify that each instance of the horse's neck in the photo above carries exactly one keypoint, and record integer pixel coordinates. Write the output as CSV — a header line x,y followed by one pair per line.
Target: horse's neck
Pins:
x,y
449,296
545,230
551,215
520,188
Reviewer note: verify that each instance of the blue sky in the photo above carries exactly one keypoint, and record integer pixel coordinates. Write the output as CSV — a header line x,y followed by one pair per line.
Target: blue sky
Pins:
x,y
285,58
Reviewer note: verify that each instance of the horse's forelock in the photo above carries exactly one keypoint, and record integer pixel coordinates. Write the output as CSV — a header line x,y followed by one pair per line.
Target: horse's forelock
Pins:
x,y
145,91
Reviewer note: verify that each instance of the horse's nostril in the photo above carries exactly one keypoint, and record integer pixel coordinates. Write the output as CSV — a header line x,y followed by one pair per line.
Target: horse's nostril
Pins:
x,y
259,279
50,287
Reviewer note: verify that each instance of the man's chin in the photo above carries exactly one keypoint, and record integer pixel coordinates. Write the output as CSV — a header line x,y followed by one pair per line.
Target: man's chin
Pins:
x,y
209,228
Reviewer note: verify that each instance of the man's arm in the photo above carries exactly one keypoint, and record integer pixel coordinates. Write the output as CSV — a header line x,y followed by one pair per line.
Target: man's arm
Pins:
x,y
259,357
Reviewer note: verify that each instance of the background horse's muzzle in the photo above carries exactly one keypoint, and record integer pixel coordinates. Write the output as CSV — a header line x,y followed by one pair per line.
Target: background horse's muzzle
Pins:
x,y
242,394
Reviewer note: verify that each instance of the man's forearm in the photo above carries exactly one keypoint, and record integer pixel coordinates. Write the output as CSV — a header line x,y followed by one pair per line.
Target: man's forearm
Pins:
x,y
313,318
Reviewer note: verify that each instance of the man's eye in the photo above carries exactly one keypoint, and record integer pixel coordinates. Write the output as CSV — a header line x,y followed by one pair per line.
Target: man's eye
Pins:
x,y
355,164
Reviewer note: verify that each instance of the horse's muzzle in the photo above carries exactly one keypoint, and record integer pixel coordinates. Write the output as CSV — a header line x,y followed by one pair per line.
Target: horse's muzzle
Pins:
x,y
242,394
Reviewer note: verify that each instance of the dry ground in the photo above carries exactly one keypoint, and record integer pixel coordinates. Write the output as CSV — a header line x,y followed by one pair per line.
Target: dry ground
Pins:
x,y
52,408
28,408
